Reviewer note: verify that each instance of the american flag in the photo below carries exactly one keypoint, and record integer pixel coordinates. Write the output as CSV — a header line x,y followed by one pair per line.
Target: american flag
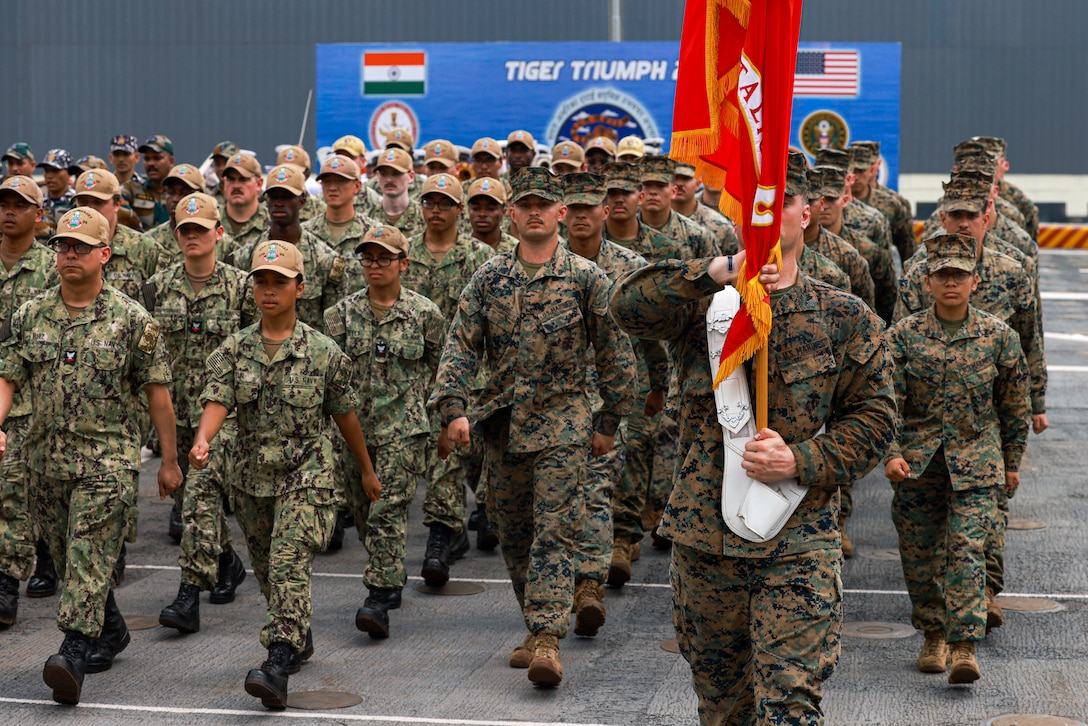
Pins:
x,y
826,73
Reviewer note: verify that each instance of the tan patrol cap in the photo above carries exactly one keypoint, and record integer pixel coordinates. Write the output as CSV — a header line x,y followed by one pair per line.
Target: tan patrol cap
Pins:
x,y
395,158
440,151
342,166
521,136
244,164
630,146
286,176
294,155
278,256
84,225
445,184
487,145
188,175
486,187
955,251
98,184
25,187
351,144
197,208
400,138
603,143
387,237
569,153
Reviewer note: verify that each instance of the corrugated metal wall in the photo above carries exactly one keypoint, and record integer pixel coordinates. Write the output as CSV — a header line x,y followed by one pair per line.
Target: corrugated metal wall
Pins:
x,y
78,72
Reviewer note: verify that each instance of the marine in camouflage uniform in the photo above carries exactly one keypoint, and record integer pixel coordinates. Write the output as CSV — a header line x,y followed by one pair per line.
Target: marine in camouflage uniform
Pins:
x,y
33,271
85,368
623,225
394,347
818,267
760,624
844,255
1008,191
963,406
865,163
858,216
533,323
684,202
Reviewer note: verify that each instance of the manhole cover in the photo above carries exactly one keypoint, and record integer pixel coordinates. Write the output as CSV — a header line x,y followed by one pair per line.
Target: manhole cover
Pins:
x,y
670,646
1029,604
453,587
1026,524
319,700
878,631
1027,719
141,622
884,554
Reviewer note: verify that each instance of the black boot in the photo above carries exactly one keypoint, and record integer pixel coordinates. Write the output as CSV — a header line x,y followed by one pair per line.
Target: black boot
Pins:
x,y
9,600
119,568
442,549
336,541
373,617
231,573
269,682
486,536
64,671
297,659
184,613
176,525
43,583
112,640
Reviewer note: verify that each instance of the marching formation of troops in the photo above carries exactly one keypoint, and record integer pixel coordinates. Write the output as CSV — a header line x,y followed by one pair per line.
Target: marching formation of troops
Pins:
x,y
535,334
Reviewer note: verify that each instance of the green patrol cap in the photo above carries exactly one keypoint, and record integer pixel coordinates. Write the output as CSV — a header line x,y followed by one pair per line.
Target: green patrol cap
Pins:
x,y
833,157
20,150
861,157
832,181
976,160
157,143
684,170
535,181
970,147
957,251
621,175
582,187
796,174
656,169
967,191
815,183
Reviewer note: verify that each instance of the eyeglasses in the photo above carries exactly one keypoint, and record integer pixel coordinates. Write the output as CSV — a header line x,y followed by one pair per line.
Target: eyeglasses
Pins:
x,y
957,276
80,248
444,204
381,261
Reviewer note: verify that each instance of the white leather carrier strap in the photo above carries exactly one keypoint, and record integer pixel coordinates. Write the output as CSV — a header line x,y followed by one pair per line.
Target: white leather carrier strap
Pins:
x,y
752,510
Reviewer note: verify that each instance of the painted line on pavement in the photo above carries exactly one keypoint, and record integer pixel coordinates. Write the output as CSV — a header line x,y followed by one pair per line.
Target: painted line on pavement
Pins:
x,y
1064,295
1074,337
1067,369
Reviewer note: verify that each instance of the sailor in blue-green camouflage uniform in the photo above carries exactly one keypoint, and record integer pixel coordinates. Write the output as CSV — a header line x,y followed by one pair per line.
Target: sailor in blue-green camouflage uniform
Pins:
x,y
86,352
532,314
245,218
395,179
961,385
760,624
183,179
397,138
343,225
312,207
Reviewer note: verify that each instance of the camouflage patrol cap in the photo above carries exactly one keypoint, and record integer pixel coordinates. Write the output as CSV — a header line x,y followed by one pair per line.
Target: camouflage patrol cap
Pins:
x,y
25,187
353,145
157,143
621,175
535,181
56,159
796,174
583,187
861,157
981,163
815,178
569,154
523,137
487,145
486,187
286,176
832,157
967,191
832,181
83,224
445,184
294,155
226,149
341,166
196,208
387,237
656,169
995,144
124,142
630,147
244,164
682,169
956,251
86,163
395,158
278,256
440,151
602,143
188,175
97,183
971,147
400,138
873,146
19,150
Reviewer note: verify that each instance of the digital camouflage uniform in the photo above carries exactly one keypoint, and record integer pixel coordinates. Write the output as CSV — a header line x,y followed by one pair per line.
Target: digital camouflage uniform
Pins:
x,y
35,272
83,446
56,207
284,496
881,270
194,325
650,244
134,258
868,223
394,360
1013,194
345,246
534,415
325,276
722,229
816,266
146,201
312,208
410,223
900,224
760,624
254,228
963,423
847,258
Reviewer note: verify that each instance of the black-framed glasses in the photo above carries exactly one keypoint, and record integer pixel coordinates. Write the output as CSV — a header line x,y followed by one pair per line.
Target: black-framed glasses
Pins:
x,y
80,248
445,204
380,261
957,276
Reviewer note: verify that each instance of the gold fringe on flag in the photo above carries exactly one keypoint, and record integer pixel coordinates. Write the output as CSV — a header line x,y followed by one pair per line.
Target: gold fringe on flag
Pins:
x,y
740,10
752,293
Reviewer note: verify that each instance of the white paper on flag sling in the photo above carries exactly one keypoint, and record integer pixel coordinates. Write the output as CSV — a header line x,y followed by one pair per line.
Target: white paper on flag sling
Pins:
x,y
827,73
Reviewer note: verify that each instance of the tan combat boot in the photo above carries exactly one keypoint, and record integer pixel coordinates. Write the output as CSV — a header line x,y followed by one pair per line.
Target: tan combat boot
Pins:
x,y
635,552
589,611
619,572
964,666
522,656
545,670
995,616
934,655
847,543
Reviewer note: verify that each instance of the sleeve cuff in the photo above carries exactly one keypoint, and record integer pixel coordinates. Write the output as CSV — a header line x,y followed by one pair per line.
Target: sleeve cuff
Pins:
x,y
607,423
450,409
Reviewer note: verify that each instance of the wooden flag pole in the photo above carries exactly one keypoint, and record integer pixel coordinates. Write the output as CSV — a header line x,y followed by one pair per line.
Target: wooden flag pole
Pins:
x,y
761,387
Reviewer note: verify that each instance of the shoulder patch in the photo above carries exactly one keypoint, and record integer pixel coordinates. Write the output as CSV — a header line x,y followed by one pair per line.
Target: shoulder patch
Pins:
x,y
149,292
217,363
149,339
334,322
336,272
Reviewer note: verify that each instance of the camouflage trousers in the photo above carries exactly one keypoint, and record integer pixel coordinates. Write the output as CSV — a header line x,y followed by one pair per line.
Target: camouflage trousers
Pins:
x,y
536,501
282,534
201,500
995,544
593,553
942,537
666,461
383,525
17,532
629,497
83,523
445,500
761,634
846,499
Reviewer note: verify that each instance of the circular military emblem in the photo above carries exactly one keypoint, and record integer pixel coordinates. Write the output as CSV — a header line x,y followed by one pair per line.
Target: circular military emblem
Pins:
x,y
822,129
388,116
600,112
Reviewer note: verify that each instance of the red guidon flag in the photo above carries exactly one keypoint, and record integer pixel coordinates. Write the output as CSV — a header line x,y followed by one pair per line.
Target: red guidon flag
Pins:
x,y
731,121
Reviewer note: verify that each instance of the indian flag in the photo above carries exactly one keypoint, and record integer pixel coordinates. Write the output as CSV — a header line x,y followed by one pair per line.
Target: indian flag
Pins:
x,y
395,73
